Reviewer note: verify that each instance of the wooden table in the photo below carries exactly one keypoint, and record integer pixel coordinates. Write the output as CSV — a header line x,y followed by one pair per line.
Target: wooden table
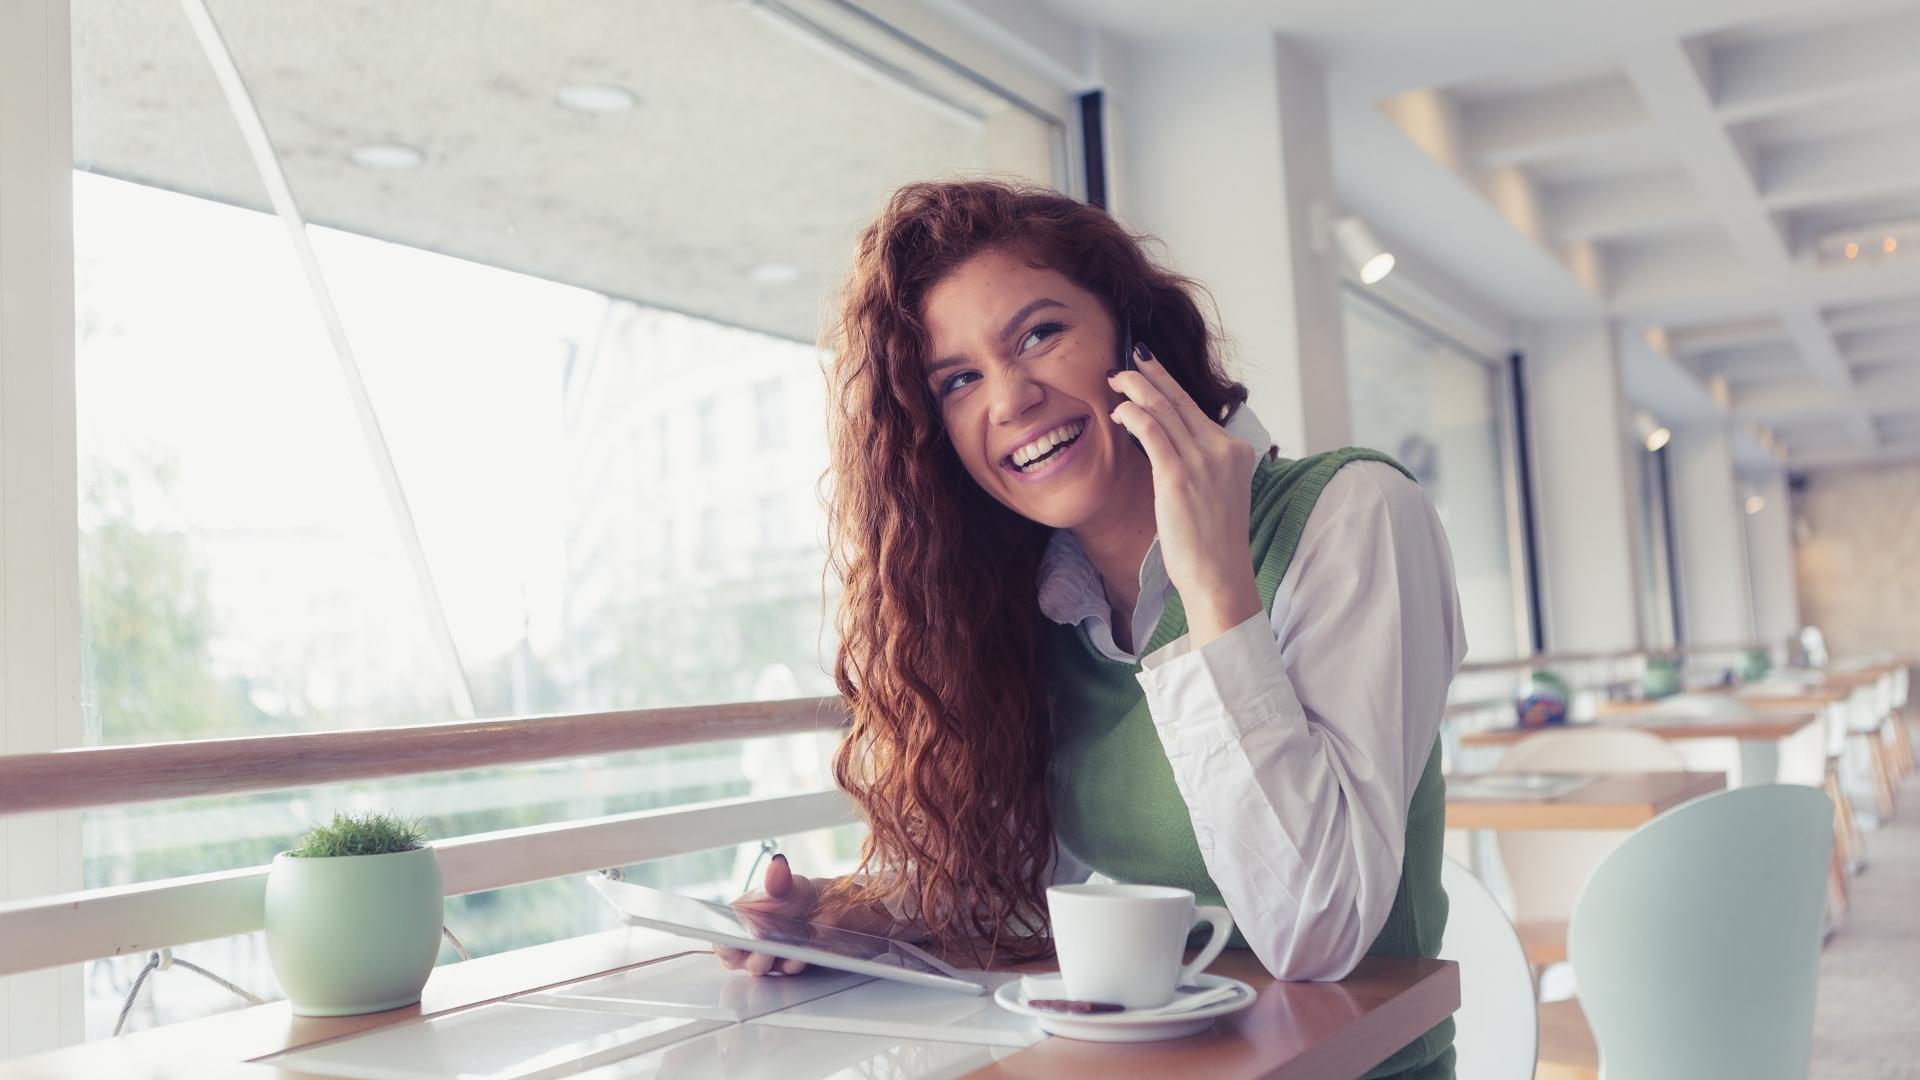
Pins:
x,y
1308,1031
1765,723
1611,801
1294,1031
1759,733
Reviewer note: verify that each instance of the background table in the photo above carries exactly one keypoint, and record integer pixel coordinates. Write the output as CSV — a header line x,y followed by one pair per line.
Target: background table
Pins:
x,y
1610,801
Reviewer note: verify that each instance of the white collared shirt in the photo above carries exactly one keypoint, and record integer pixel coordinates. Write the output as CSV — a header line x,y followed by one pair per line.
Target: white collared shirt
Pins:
x,y
1297,738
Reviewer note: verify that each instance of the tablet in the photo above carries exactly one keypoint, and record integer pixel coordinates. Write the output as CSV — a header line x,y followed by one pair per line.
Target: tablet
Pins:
x,y
778,935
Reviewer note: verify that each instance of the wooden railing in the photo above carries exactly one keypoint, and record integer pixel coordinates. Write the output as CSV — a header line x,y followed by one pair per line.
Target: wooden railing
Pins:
x,y
116,775
1548,660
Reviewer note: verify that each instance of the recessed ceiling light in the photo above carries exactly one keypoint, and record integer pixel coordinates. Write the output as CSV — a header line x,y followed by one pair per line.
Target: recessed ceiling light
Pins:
x,y
390,156
774,273
1756,503
596,99
1852,250
1890,245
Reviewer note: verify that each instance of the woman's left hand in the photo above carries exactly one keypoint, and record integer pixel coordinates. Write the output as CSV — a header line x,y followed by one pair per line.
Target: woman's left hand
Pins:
x,y
1201,497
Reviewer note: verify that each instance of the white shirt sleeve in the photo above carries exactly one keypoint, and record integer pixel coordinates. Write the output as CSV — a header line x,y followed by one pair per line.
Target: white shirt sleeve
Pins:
x,y
1297,738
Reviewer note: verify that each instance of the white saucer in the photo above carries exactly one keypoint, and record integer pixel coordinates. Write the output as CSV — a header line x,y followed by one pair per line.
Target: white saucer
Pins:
x,y
1127,1025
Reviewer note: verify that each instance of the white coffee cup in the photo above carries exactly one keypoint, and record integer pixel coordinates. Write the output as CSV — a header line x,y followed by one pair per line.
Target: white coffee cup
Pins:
x,y
1122,943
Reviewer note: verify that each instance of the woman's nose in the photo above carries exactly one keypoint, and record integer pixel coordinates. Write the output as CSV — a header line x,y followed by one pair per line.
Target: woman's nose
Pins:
x,y
1010,394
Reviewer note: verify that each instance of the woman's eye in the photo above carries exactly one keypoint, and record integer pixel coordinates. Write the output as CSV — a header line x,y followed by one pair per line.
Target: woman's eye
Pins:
x,y
953,382
1039,334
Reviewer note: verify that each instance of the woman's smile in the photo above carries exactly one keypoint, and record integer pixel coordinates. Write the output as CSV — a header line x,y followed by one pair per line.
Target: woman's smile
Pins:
x,y
1048,454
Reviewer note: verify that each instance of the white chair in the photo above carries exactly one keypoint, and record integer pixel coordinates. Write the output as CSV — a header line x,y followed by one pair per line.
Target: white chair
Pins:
x,y
1546,869
1697,943
1496,1031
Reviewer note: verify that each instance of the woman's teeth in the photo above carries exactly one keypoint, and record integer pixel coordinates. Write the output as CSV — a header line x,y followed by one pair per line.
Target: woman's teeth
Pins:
x,y
1044,447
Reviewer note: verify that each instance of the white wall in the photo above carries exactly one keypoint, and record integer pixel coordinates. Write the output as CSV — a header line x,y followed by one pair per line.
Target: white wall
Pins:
x,y
1225,151
39,533
1709,529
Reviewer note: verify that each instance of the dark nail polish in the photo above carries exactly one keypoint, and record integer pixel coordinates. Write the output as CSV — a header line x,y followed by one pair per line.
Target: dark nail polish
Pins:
x,y
1141,352
1111,372
780,857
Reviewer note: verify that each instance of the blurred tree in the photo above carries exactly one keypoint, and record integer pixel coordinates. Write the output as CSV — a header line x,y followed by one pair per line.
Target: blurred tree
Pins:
x,y
146,624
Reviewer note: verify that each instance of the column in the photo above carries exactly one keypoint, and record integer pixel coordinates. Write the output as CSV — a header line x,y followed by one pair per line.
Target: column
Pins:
x,y
1227,158
39,542
1776,598
1709,528
1583,509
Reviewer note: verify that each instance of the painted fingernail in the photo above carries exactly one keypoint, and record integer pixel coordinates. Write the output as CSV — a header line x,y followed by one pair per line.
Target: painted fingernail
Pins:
x,y
1111,372
780,857
1141,352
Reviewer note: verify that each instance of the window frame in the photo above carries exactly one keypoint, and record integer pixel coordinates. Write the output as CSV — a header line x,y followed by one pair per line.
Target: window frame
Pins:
x,y
40,854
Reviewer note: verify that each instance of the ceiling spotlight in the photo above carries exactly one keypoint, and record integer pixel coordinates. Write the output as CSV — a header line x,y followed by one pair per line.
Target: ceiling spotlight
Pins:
x,y
1363,249
1653,433
774,273
392,157
1869,240
1755,504
596,99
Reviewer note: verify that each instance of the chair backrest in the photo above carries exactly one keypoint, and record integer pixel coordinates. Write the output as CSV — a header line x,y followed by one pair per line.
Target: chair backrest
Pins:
x,y
1590,750
1697,707
1697,943
1545,870
1497,1027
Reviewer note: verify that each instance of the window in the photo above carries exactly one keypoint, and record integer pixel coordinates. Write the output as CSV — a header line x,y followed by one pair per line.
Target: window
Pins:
x,y
435,477
769,414
1659,621
707,413
1441,411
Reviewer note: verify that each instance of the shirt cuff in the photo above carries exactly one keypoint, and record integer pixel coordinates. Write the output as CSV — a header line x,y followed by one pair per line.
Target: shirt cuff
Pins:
x,y
1233,684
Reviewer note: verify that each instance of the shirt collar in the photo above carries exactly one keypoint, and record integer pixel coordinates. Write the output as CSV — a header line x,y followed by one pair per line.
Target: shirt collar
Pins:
x,y
1070,589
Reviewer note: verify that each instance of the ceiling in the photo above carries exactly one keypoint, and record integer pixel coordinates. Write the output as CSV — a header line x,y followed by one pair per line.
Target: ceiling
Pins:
x,y
1691,169
722,168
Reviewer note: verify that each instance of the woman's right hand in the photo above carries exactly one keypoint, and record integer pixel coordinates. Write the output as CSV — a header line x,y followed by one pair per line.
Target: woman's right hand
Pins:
x,y
783,893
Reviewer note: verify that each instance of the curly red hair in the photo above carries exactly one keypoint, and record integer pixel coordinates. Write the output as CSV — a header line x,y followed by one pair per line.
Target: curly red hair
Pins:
x,y
938,656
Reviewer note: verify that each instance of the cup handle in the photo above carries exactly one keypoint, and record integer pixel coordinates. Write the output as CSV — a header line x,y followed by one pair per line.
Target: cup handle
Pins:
x,y
1222,930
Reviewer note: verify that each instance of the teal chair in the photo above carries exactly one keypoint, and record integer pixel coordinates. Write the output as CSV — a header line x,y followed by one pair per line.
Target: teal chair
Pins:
x,y
1697,942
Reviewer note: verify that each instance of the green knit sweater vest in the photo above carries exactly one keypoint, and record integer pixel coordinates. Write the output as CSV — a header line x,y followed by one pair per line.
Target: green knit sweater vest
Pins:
x,y
1117,808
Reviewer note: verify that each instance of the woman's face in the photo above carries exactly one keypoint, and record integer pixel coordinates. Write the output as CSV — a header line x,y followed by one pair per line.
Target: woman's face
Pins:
x,y
1018,370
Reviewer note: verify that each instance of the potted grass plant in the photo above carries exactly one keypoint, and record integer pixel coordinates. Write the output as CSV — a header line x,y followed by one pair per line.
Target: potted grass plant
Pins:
x,y
354,915
1662,677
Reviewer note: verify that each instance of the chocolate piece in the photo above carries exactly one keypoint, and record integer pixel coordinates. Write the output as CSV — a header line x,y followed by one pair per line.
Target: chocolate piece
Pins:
x,y
1066,1006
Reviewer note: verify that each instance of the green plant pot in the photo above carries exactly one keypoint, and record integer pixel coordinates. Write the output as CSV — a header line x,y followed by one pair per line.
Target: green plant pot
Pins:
x,y
354,934
1660,682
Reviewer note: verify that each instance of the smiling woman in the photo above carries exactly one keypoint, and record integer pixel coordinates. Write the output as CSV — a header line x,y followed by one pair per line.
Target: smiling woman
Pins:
x,y
1171,658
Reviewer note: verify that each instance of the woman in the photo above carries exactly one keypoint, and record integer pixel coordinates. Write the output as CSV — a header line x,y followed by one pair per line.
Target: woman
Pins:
x,y
1092,623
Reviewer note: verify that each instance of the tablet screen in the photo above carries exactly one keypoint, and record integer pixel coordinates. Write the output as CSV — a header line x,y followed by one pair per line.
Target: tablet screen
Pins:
x,y
671,910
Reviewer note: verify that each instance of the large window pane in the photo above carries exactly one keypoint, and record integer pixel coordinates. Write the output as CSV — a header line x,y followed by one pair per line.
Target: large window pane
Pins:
x,y
577,261
1438,410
